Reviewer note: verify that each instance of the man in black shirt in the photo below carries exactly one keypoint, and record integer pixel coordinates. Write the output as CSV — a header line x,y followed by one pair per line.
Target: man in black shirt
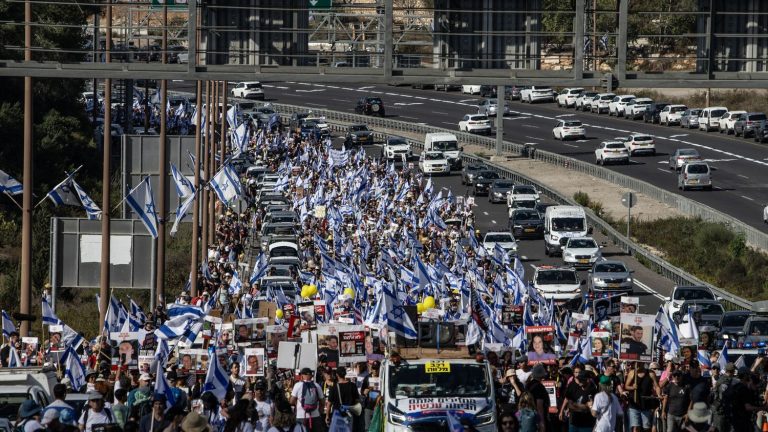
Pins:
x,y
676,401
539,393
635,344
5,352
699,386
744,401
579,396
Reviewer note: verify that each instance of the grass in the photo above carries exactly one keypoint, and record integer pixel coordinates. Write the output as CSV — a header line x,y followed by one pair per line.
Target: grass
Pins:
x,y
710,251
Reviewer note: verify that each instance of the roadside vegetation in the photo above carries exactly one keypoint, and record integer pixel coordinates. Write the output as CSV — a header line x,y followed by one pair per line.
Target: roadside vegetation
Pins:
x,y
710,251
746,100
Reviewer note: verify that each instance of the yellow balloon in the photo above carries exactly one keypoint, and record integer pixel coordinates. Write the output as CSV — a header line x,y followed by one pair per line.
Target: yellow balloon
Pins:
x,y
429,302
420,307
350,292
279,314
312,290
304,287
305,291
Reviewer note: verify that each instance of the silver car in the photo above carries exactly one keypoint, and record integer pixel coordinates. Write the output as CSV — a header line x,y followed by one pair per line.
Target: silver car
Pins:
x,y
490,106
611,276
690,118
683,156
695,175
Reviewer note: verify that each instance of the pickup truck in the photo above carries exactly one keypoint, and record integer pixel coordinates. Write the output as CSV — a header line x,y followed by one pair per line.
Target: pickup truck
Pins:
x,y
20,384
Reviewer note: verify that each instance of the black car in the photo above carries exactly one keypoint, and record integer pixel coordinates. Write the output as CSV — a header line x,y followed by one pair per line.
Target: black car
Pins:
x,y
370,106
652,114
526,223
358,134
487,91
761,132
483,180
470,171
297,119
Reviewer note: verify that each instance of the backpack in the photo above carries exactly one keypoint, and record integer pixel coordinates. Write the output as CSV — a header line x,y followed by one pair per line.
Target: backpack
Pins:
x,y
141,408
529,421
310,400
725,406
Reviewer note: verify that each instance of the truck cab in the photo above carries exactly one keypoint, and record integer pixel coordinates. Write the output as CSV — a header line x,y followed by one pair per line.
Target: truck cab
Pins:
x,y
448,144
562,223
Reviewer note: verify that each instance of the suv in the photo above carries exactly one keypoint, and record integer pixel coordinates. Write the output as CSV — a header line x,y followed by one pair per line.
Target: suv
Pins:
x,y
558,283
581,252
690,118
746,124
637,143
475,123
526,223
297,119
681,294
536,94
617,105
635,108
726,121
396,148
600,102
470,171
370,105
694,175
671,114
483,181
652,113
490,107
582,101
611,151
567,97
358,134
248,90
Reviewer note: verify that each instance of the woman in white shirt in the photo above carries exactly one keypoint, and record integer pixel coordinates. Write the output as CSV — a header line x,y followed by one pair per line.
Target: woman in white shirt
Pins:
x,y
606,407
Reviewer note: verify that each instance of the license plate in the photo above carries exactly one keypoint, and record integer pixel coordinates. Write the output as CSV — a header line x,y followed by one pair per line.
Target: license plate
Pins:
x,y
694,181
613,285
530,230
583,261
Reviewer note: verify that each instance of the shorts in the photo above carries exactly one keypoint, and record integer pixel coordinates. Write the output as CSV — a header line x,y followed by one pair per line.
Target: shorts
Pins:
x,y
640,418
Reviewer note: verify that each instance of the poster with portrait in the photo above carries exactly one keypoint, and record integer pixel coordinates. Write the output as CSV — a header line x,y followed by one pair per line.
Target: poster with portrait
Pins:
x,y
551,388
187,361
606,307
250,331
629,304
28,354
320,315
352,344
375,387
328,344
289,310
374,349
211,325
126,353
636,337
540,339
579,328
688,350
254,361
275,334
226,338
307,316
145,364
54,338
602,346
512,315
343,308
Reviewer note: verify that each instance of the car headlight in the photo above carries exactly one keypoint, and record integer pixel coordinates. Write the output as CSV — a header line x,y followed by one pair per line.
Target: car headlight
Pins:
x,y
479,184
568,254
396,418
554,237
484,419
596,280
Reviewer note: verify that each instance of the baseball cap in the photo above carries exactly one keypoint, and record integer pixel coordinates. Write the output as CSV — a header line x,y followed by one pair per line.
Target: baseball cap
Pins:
x,y
306,371
145,377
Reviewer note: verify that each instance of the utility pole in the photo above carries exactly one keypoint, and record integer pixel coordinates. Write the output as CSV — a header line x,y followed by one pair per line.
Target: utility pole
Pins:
x,y
162,183
212,161
195,211
204,161
223,137
105,179
26,217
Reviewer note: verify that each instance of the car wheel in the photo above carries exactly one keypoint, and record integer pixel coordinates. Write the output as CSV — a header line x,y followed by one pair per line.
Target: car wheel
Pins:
x,y
709,188
736,133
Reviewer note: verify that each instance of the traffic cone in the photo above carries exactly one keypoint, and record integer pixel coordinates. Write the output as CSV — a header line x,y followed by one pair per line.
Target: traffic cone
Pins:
x,y
765,425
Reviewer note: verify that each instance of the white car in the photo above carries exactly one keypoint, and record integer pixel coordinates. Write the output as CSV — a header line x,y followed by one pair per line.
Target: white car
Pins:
x,y
537,94
726,121
581,252
672,114
565,129
470,89
636,108
600,102
682,293
248,90
522,193
617,105
504,239
432,162
475,123
557,283
396,148
610,152
639,143
583,100
567,97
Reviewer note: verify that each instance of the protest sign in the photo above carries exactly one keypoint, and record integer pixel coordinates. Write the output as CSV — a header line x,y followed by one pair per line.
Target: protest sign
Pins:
x,y
636,337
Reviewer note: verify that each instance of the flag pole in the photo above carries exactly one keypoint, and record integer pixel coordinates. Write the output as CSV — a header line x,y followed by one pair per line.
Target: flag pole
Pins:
x,y
14,201
69,177
125,197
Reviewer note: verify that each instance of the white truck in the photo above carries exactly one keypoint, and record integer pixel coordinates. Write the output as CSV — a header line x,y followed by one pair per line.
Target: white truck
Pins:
x,y
420,395
446,143
562,223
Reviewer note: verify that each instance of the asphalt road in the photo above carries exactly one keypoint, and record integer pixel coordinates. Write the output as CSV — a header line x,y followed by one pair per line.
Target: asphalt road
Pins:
x,y
739,165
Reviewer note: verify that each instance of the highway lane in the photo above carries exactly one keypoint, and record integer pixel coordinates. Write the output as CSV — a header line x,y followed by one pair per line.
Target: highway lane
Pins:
x,y
739,165
650,287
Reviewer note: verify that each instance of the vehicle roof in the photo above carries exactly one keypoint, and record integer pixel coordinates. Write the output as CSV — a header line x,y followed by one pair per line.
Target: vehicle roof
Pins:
x,y
716,107
498,232
443,135
643,100
547,268
357,125
291,245
558,210
249,82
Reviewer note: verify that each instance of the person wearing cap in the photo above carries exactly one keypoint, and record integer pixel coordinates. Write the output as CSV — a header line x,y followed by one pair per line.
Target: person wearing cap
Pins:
x,y
539,393
155,421
698,385
51,421
699,418
96,413
579,396
194,422
29,417
675,404
307,396
262,405
726,380
510,391
142,392
606,407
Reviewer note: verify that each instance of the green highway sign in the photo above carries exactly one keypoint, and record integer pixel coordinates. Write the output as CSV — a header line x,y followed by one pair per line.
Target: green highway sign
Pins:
x,y
320,4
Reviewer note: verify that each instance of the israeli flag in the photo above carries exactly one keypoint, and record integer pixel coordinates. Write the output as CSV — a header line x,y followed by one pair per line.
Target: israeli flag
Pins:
x,y
180,318
90,207
70,338
73,368
704,361
184,187
8,326
216,380
137,312
49,317
259,269
226,184
235,285
397,320
9,185
723,359
232,116
689,329
667,331
162,352
142,201
454,424
181,213
162,387
64,194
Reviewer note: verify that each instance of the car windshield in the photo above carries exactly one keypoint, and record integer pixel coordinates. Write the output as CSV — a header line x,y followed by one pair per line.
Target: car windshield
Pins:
x,y
693,294
698,169
568,224
358,128
446,145
705,308
758,328
582,243
503,184
310,123
433,156
553,277
281,218
498,238
526,215
525,190
397,141
757,117
283,252
279,271
687,152
717,113
610,268
676,109
573,123
479,118
460,380
734,320
694,112
10,403
265,111
487,175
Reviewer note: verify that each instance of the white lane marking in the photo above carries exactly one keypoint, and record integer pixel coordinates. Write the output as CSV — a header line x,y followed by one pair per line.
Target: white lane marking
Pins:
x,y
340,100
319,85
493,221
517,118
438,112
530,126
678,135
663,170
419,97
310,91
448,123
742,176
365,87
649,290
335,87
565,115
182,81
662,162
314,104
408,103
719,160
412,118
717,188
536,138
391,94
747,198
570,145
485,213
290,82
346,88
468,100
304,83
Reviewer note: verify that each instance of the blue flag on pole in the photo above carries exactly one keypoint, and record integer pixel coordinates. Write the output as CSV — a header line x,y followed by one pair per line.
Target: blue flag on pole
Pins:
x,y
141,201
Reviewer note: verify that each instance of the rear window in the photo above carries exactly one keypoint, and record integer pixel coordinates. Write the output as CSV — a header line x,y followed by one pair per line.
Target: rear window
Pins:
x,y
688,152
253,86
676,109
606,97
616,146
610,268
735,320
374,100
717,113
698,169
573,123
693,294
757,117
643,138
479,118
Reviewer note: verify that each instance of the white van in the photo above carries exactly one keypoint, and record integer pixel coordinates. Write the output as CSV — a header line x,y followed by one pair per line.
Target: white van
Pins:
x,y
562,223
709,118
446,143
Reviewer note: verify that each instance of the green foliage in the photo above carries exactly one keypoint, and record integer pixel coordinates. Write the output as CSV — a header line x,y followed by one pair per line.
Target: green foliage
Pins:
x,y
743,99
582,198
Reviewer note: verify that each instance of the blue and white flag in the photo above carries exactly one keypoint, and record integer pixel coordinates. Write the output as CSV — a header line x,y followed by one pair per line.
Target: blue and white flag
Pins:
x,y
73,368
689,329
216,380
49,317
235,285
260,268
181,213
667,331
723,359
184,186
141,201
162,352
138,313
64,193
91,209
226,184
162,387
181,319
14,360
454,424
704,360
8,325
9,185
396,319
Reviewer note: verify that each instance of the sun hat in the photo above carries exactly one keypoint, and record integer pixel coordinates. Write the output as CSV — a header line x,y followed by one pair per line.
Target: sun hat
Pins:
x,y
29,408
700,413
194,422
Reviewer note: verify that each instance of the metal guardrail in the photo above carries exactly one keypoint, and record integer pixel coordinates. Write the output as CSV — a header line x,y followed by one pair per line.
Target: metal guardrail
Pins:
x,y
752,236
